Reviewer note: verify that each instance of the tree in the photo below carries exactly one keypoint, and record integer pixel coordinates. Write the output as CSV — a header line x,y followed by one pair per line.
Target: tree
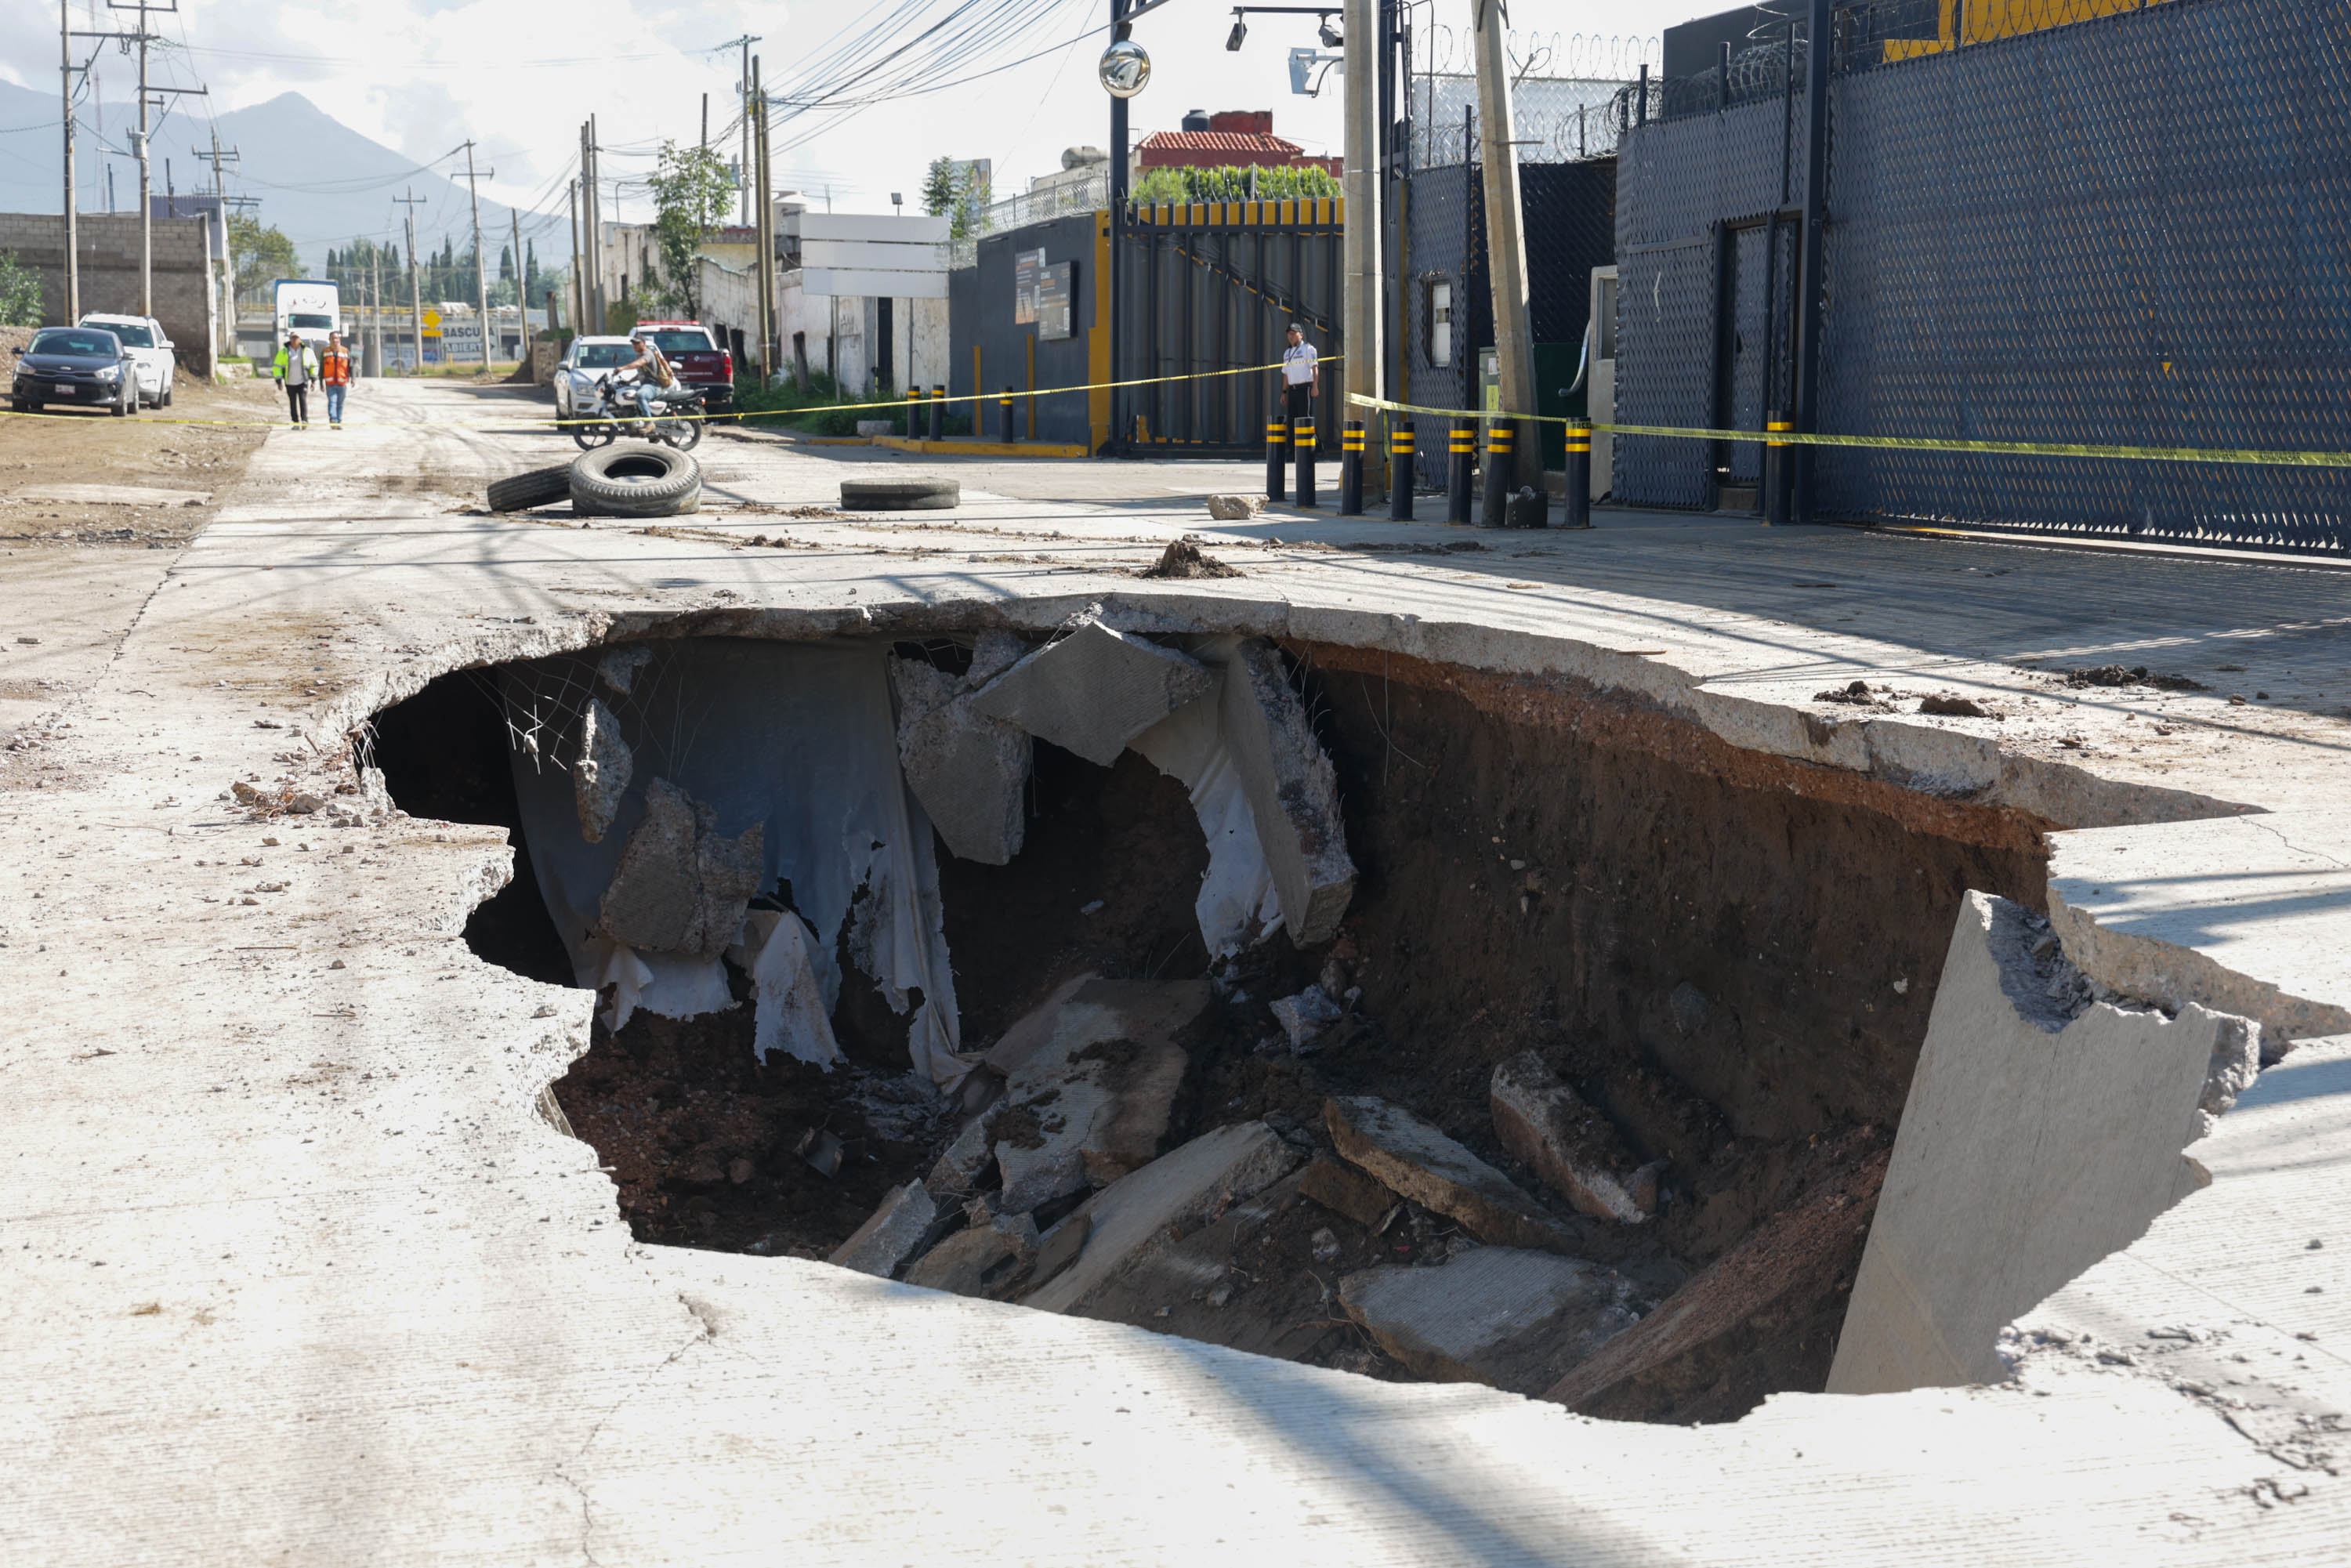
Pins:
x,y
692,189
258,254
954,189
20,293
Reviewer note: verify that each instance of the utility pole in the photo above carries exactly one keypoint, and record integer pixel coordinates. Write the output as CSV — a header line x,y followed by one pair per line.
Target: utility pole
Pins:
x,y
146,169
1119,30
226,307
764,228
592,222
415,288
1506,249
1365,304
481,277
522,298
742,97
579,282
375,320
73,235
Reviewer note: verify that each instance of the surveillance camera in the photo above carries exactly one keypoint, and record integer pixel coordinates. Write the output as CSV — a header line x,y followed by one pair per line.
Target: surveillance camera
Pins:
x,y
1241,31
1331,36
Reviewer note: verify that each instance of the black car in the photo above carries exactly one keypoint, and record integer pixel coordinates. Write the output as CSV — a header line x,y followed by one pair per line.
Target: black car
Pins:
x,y
76,364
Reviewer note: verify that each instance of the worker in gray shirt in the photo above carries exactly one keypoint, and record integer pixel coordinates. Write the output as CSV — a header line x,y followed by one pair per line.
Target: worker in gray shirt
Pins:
x,y
1301,376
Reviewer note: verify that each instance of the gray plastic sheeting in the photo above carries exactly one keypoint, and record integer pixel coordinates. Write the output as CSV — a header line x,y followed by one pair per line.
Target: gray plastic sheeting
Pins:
x,y
802,740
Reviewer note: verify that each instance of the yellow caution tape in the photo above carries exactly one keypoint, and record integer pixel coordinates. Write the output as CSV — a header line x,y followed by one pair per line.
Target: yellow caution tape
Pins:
x,y
1899,442
920,400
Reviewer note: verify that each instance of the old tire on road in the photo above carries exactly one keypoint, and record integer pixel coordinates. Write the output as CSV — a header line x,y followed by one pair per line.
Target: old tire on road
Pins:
x,y
539,488
635,482
900,494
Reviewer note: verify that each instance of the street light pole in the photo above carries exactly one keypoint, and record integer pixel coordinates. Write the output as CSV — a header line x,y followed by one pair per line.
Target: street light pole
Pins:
x,y
1506,250
1362,229
1118,31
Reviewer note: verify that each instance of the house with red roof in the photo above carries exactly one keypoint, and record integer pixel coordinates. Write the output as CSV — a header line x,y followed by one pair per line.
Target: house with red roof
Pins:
x,y
1235,138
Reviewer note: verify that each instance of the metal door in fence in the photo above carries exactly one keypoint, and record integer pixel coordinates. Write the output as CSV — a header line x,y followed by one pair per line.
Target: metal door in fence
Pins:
x,y
1209,287
1754,343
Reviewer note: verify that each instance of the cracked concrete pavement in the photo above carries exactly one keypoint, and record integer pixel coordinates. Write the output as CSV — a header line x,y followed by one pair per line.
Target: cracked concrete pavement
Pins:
x,y
295,1270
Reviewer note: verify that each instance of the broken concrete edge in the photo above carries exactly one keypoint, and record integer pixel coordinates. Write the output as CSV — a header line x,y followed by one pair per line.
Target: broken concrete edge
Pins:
x,y
2172,977
1292,792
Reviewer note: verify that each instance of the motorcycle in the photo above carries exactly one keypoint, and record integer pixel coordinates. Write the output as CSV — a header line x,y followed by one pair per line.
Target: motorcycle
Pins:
x,y
610,412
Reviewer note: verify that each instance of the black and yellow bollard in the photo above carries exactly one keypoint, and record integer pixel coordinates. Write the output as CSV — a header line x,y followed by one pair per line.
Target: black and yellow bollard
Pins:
x,y
1400,473
938,413
1501,468
1778,471
1462,446
1301,439
1277,446
1004,417
1579,476
1351,469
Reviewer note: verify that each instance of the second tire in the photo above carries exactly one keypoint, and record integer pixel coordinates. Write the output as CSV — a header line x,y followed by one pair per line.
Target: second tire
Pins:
x,y
538,488
635,482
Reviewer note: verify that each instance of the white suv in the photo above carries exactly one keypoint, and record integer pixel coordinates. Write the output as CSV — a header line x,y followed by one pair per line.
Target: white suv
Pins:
x,y
151,352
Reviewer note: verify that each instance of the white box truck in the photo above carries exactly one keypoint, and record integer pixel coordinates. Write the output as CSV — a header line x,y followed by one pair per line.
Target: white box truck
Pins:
x,y
308,306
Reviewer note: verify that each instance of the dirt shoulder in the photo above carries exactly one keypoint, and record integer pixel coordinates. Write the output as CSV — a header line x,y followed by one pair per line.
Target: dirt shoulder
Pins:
x,y
158,449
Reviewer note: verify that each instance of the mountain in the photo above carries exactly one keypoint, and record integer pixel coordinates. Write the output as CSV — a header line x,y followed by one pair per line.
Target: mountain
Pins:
x,y
319,181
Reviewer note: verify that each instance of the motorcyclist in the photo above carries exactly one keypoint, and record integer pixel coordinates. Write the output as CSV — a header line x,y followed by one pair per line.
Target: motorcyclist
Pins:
x,y
653,370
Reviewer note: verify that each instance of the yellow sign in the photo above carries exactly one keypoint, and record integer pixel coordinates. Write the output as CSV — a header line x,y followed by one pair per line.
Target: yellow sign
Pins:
x,y
431,319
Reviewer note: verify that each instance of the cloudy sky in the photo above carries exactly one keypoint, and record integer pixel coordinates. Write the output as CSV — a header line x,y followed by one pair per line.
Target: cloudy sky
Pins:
x,y
420,76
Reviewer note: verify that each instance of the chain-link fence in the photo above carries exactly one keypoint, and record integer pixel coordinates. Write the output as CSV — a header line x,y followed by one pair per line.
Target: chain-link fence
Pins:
x,y
2076,221
1085,190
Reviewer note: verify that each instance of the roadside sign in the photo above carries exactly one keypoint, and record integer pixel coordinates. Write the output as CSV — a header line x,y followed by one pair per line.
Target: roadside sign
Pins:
x,y
1027,267
431,319
1055,289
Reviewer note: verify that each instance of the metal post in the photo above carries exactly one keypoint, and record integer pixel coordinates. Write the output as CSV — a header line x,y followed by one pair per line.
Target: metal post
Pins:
x,y
1506,249
1400,473
1463,444
1501,462
1641,104
1003,418
1776,472
1277,438
1579,477
938,413
579,305
1808,270
1120,28
1301,438
73,235
1351,469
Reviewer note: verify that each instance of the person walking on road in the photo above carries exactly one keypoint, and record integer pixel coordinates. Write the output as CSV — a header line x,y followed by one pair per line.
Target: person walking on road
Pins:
x,y
1302,377
335,375
297,367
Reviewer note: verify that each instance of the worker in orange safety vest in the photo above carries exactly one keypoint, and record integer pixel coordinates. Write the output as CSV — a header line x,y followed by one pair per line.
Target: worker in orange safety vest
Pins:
x,y
335,374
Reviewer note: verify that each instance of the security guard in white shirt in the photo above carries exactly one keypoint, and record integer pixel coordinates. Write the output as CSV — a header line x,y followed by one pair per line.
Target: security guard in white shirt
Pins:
x,y
1301,376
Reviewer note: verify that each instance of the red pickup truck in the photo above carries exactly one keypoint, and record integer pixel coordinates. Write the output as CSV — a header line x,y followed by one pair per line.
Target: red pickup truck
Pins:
x,y
698,362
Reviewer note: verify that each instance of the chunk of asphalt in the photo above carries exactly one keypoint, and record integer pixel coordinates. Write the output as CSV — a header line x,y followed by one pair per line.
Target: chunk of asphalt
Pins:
x,y
1094,690
890,1234
681,886
1092,1102
1135,1215
1292,792
1574,1150
969,771
1498,1315
1432,1170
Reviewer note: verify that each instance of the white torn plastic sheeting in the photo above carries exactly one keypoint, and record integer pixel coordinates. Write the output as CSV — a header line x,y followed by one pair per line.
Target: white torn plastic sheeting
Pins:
x,y
791,1015
671,984
798,740
1236,906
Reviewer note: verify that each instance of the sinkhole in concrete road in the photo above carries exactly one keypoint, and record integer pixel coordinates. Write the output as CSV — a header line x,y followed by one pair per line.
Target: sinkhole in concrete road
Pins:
x,y
951,960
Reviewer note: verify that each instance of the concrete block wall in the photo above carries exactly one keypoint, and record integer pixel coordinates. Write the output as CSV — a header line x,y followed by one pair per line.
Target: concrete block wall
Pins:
x,y
108,244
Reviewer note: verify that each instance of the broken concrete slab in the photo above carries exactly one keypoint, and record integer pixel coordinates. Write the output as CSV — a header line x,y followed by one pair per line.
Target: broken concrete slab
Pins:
x,y
1572,1147
1092,1103
1344,1189
2042,1131
984,1261
619,666
1422,1164
958,1169
1236,906
969,771
599,774
1305,1016
1292,792
1094,690
1033,1029
889,1237
1760,1319
1498,1315
681,887
1132,1217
